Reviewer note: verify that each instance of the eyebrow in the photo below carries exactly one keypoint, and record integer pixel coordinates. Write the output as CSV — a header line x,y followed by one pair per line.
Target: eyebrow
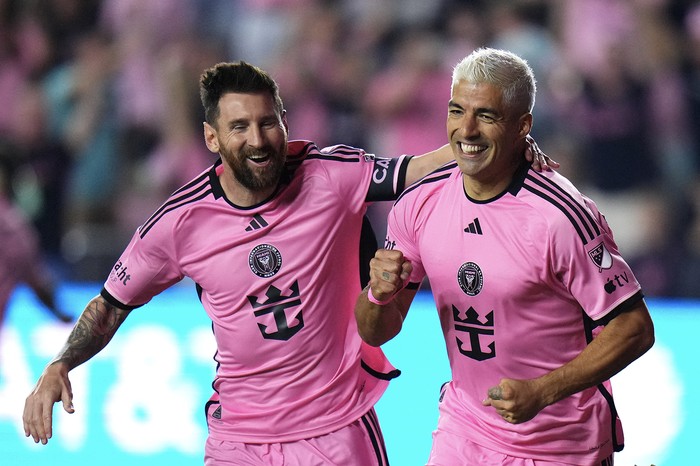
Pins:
x,y
478,111
238,121
247,121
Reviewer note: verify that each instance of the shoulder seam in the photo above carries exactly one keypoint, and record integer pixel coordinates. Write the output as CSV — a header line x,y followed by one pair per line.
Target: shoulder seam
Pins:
x,y
338,153
583,222
194,191
435,176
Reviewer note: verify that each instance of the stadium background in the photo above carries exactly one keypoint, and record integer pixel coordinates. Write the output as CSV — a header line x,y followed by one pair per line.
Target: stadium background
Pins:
x,y
101,120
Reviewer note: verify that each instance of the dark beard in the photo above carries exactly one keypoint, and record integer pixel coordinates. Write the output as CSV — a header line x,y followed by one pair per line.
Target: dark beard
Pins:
x,y
261,178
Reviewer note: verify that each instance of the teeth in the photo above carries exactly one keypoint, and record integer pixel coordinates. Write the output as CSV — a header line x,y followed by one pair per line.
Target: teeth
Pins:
x,y
471,148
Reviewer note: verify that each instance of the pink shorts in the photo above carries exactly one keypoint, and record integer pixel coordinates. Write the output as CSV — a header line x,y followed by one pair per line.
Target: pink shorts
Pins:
x,y
449,450
359,444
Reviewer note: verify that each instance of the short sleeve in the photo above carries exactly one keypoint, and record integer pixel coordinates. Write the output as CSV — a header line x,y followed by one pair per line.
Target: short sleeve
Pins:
x,y
593,271
145,268
402,236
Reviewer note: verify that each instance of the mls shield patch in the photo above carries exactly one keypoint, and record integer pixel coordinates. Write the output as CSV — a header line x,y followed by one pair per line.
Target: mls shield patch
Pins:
x,y
601,257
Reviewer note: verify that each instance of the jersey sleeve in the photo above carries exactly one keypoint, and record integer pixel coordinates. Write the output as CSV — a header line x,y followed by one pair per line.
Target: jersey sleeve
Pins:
x,y
388,178
145,268
402,236
593,271
365,176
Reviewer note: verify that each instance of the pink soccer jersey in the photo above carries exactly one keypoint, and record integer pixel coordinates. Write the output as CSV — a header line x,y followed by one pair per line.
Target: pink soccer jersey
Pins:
x,y
279,281
520,281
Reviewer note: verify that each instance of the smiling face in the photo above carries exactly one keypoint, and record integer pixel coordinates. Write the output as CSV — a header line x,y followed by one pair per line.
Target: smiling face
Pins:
x,y
251,138
487,137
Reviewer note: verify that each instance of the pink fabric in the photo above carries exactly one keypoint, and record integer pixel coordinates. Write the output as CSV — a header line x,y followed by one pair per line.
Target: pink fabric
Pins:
x,y
510,278
358,444
279,281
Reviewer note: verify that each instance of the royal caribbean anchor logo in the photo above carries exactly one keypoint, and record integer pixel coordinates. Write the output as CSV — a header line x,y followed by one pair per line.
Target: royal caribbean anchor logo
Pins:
x,y
479,332
277,304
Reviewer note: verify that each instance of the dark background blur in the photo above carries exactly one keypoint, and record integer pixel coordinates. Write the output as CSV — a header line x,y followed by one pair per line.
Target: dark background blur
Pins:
x,y
100,118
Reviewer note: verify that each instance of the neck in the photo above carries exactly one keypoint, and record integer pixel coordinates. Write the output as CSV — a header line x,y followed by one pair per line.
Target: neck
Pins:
x,y
483,191
483,188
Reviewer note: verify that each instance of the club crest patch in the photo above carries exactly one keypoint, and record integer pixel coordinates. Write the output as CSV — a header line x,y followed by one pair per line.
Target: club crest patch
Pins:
x,y
265,260
470,278
601,257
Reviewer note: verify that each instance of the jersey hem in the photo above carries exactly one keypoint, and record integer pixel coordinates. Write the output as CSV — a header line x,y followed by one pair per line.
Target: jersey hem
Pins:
x,y
302,435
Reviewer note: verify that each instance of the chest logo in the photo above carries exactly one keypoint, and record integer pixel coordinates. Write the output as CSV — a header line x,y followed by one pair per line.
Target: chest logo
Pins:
x,y
277,306
265,260
470,278
481,345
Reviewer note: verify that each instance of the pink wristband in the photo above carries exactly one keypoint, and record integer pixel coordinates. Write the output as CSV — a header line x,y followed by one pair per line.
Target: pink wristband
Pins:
x,y
374,300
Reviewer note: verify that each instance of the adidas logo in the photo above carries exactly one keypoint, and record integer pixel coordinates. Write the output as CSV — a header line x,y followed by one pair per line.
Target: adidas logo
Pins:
x,y
257,223
474,227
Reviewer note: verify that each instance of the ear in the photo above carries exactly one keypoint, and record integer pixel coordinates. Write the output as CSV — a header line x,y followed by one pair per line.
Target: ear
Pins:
x,y
284,121
525,125
210,138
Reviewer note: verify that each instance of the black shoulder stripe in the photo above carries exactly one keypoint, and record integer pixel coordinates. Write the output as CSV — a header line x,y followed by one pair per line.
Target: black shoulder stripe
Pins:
x,y
342,149
561,200
447,166
581,212
561,208
174,197
199,192
307,148
195,182
439,174
299,154
335,158
342,157
340,153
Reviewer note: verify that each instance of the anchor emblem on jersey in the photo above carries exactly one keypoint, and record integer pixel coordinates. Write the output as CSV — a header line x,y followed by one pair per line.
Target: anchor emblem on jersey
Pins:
x,y
476,329
276,304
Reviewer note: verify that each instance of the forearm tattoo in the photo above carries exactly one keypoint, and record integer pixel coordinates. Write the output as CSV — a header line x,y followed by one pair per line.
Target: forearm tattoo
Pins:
x,y
94,329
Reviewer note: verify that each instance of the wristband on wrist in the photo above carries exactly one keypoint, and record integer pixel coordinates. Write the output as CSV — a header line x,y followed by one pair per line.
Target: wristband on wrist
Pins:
x,y
374,300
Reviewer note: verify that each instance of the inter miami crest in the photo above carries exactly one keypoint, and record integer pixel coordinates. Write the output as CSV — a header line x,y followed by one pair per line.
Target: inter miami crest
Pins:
x,y
265,260
601,257
470,278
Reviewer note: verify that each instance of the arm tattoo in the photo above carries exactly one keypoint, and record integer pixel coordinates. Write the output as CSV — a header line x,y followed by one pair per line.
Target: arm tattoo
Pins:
x,y
94,329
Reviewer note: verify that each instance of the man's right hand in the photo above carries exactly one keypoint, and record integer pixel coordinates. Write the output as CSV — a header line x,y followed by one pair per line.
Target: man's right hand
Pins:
x,y
389,271
53,386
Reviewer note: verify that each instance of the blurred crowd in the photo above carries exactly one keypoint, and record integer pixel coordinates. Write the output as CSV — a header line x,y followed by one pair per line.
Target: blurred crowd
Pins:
x,y
100,118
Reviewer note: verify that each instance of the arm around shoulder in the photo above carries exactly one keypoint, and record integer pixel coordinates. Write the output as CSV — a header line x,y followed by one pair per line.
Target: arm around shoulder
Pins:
x,y
421,165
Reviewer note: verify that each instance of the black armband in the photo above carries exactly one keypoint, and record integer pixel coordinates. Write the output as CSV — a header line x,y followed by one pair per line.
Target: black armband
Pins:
x,y
388,178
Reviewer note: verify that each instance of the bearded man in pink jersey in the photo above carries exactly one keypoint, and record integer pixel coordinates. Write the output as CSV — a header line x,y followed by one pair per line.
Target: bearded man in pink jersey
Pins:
x,y
537,307
270,236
